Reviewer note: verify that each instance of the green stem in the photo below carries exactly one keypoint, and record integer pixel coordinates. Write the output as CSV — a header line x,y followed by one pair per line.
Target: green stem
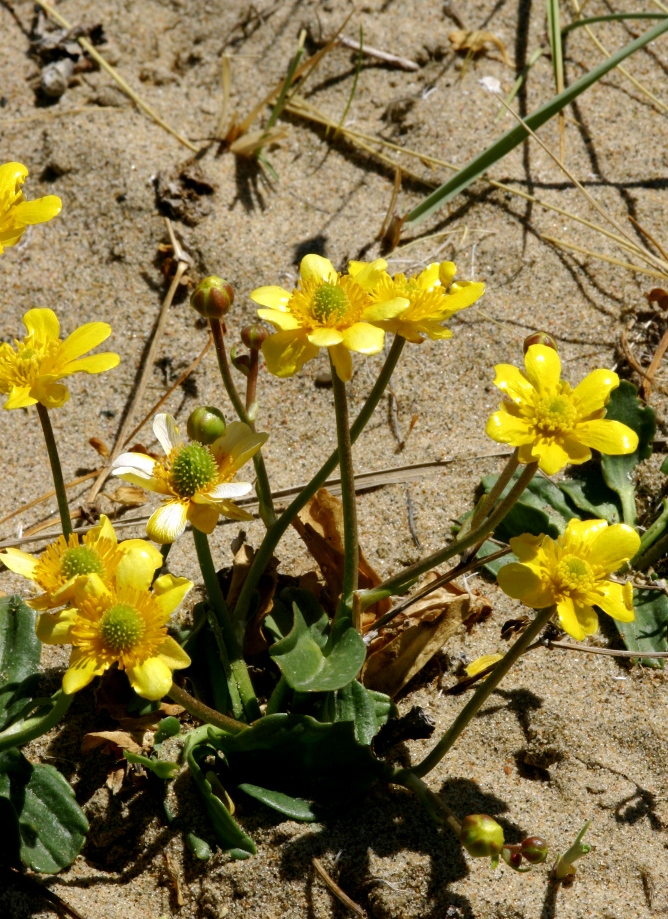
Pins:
x,y
56,470
481,694
24,731
262,486
653,554
348,499
274,534
649,537
278,697
408,576
203,712
485,507
438,810
232,688
238,667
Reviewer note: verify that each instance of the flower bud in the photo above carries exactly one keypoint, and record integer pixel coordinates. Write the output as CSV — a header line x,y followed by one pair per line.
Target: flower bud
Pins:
x,y
241,362
253,336
540,338
512,858
481,836
212,297
205,424
534,849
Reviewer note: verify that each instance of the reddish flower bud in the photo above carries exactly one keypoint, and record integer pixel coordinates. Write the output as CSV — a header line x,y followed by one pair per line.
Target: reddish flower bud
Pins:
x,y
253,336
540,338
212,297
205,424
534,849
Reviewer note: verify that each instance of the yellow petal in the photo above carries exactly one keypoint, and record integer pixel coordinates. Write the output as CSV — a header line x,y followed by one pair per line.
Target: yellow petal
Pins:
x,y
154,555
19,397
83,668
354,268
20,562
343,362
287,352
446,273
104,531
462,296
94,363
56,628
543,368
83,339
203,517
511,381
90,586
386,309
172,654
521,582
611,437
169,592
280,321
577,452
316,268
276,298
12,177
137,567
613,546
42,323
593,392
363,338
527,546
230,509
551,457
504,428
239,443
168,522
40,210
482,663
166,431
152,679
430,276
52,395
616,600
581,534
371,274
324,338
576,619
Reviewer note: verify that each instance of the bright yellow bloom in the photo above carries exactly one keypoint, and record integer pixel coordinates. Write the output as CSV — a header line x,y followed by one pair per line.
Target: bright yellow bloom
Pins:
x,y
433,297
124,624
327,310
195,479
15,212
571,573
551,423
30,371
55,571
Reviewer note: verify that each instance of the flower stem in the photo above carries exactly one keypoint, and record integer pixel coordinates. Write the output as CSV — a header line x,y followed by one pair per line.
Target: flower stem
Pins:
x,y
278,697
232,688
262,486
24,731
203,712
481,694
485,507
274,534
56,470
251,382
408,576
438,810
650,545
348,498
238,667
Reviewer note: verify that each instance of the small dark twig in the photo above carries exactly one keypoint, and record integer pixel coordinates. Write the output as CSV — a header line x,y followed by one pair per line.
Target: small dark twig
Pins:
x,y
31,886
411,519
336,890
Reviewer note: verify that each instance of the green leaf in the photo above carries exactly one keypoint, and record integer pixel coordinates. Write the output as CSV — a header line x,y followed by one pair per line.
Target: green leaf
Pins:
x,y
542,508
367,709
168,727
20,650
163,768
294,808
44,815
205,672
493,568
664,466
649,629
229,835
299,756
625,406
589,493
200,848
311,657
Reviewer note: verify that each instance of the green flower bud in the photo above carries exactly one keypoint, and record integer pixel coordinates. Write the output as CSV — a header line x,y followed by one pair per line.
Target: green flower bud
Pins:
x,y
205,424
534,849
240,361
540,338
481,836
212,297
253,336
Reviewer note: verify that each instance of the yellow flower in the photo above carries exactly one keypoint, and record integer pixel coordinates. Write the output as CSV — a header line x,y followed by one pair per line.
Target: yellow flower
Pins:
x,y
195,479
30,371
432,298
326,310
15,212
571,573
482,663
551,423
61,563
124,624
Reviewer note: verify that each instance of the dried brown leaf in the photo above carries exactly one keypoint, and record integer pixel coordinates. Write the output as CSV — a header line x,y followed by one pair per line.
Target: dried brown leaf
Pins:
x,y
129,496
112,742
249,144
475,41
115,780
99,446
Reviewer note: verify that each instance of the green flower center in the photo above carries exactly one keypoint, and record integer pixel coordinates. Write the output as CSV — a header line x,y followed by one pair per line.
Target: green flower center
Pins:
x,y
192,469
575,574
330,302
80,560
121,627
556,413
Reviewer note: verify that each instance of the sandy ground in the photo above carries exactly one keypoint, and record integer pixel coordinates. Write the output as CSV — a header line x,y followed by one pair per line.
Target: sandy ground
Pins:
x,y
600,729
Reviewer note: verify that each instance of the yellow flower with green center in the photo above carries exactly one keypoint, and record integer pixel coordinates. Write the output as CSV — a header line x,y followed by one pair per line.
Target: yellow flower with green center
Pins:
x,y
29,371
326,310
433,297
15,212
194,479
124,624
551,423
55,571
571,573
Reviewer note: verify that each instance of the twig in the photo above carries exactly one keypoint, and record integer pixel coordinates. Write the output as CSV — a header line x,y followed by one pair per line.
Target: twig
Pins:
x,y
568,646
385,56
31,886
411,519
654,366
336,890
115,75
649,236
183,262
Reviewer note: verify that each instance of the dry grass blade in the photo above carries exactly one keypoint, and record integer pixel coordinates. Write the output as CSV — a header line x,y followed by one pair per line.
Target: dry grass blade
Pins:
x,y
564,244
583,649
50,494
34,888
554,32
341,895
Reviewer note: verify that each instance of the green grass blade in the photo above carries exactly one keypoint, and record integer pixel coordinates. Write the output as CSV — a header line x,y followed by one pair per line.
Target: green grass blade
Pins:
x,y
610,17
554,32
512,138
537,54
354,87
